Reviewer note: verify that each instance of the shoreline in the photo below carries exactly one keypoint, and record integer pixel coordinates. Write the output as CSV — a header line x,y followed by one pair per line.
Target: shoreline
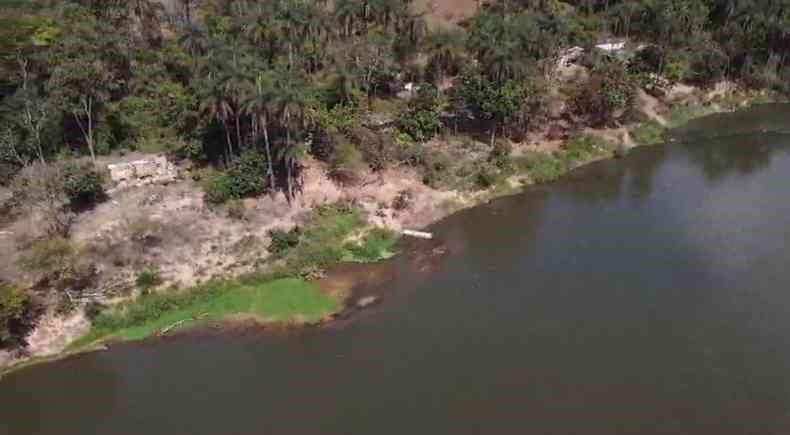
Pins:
x,y
348,303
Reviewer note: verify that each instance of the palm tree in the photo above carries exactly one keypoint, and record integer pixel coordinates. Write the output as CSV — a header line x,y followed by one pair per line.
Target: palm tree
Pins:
x,y
445,50
290,99
196,42
346,13
258,106
215,104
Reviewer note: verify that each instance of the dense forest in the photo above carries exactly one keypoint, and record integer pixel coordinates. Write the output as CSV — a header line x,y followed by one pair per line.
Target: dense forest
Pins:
x,y
252,87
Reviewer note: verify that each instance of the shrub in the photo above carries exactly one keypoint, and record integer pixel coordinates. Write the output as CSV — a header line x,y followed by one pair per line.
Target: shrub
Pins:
x,y
611,89
283,241
435,165
500,154
488,175
49,257
346,163
246,177
236,210
378,149
82,184
218,189
403,200
148,279
422,118
14,304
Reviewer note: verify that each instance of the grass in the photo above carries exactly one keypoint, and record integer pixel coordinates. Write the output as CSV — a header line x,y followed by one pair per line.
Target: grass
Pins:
x,y
280,296
680,115
540,167
544,168
649,133
377,245
280,301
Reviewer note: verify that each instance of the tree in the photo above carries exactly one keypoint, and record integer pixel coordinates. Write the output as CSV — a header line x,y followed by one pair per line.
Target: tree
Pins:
x,y
290,98
82,72
258,105
14,304
490,100
422,118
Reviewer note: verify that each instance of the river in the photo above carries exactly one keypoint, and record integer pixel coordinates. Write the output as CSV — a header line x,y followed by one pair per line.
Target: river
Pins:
x,y
645,295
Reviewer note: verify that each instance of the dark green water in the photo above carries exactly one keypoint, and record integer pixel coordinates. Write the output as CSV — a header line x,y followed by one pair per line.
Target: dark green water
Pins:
x,y
649,295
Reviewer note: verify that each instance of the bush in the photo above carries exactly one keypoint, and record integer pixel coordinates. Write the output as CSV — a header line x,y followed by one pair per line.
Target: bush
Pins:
x,y
236,210
488,175
403,200
50,257
500,154
347,163
14,305
435,165
422,118
611,89
148,279
246,177
378,149
283,241
82,184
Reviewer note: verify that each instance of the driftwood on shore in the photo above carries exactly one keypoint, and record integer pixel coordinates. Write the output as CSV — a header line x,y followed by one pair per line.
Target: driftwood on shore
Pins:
x,y
418,234
172,326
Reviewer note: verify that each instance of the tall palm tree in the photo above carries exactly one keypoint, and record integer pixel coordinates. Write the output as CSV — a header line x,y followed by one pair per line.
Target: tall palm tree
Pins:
x,y
445,50
258,106
215,104
196,42
290,99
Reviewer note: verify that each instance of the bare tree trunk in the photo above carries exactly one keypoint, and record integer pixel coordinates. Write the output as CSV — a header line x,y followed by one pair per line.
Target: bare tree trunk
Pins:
x,y
87,131
268,151
229,148
493,134
89,112
287,160
238,132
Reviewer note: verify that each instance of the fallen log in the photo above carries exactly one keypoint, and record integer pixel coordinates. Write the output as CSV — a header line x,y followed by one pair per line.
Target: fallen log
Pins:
x,y
418,234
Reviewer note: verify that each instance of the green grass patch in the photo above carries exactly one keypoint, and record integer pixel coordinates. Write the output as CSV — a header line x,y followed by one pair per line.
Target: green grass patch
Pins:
x,y
649,133
377,245
540,167
321,244
584,148
680,115
281,300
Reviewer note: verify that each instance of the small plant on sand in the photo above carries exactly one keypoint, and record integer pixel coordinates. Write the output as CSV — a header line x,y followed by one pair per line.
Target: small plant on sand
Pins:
x,y
236,210
283,241
148,279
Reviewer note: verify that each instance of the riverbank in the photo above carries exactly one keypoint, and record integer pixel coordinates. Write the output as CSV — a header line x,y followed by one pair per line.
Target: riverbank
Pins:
x,y
284,294
349,232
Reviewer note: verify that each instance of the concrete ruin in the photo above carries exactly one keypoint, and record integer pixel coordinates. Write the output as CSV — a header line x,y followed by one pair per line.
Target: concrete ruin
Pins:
x,y
157,170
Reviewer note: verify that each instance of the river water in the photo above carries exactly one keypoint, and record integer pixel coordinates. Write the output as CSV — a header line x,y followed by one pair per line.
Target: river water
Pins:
x,y
647,295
